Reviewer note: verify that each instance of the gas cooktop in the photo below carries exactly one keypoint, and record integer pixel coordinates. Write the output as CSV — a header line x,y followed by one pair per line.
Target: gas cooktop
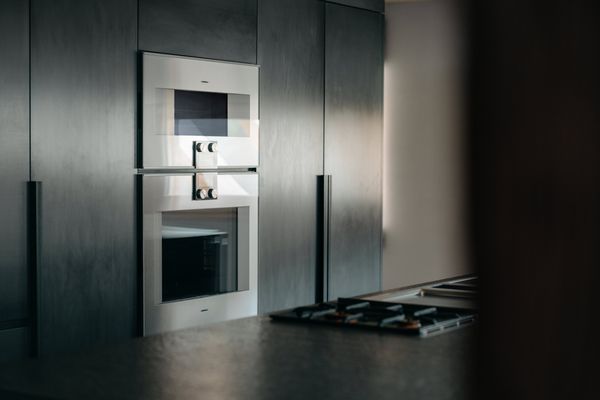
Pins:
x,y
394,317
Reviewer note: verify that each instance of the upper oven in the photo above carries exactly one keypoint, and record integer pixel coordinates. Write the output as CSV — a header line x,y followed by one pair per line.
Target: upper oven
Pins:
x,y
198,113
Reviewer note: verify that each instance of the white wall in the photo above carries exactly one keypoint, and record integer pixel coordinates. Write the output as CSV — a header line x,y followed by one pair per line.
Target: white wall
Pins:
x,y
423,199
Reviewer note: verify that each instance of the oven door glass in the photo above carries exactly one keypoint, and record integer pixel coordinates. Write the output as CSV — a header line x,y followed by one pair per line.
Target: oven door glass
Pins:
x,y
199,253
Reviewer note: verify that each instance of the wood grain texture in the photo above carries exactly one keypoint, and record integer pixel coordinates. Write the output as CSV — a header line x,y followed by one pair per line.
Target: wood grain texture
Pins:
x,y
217,29
14,157
290,52
353,140
83,102
373,5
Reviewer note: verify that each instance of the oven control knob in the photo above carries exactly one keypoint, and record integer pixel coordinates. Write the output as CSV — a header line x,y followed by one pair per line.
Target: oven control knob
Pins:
x,y
213,147
201,194
212,193
200,147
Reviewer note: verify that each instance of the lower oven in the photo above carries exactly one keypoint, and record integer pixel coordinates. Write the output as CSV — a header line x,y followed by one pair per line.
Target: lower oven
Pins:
x,y
199,248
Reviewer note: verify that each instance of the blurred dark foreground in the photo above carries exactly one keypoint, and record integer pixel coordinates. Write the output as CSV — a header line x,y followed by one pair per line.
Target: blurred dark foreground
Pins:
x,y
535,196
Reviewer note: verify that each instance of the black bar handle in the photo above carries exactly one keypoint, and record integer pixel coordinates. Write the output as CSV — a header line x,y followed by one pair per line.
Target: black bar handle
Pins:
x,y
34,191
323,235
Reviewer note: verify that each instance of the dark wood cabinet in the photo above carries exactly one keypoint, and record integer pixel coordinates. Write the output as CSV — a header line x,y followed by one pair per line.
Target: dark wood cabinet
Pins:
x,y
353,147
290,52
14,174
83,56
217,29
321,113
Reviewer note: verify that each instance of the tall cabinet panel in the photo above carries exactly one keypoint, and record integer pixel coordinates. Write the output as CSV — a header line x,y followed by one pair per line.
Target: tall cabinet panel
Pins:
x,y
353,140
218,29
290,52
83,56
14,173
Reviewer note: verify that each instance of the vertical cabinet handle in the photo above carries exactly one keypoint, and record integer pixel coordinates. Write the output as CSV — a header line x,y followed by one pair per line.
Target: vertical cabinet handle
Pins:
x,y
323,235
34,191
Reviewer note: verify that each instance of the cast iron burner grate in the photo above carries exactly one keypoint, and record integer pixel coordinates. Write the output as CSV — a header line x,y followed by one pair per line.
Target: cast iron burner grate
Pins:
x,y
396,317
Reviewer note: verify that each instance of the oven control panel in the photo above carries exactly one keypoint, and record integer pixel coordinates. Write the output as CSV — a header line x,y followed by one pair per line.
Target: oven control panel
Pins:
x,y
205,154
205,187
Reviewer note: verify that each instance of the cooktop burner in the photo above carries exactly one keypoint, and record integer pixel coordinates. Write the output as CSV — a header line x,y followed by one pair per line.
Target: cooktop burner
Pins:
x,y
397,317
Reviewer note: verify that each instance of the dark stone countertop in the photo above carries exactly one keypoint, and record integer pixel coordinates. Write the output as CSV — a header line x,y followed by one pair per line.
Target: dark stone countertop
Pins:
x,y
255,358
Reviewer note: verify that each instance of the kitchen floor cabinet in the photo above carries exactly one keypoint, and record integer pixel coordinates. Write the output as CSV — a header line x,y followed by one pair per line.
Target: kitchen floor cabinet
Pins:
x,y
14,173
290,52
83,56
321,114
216,29
353,148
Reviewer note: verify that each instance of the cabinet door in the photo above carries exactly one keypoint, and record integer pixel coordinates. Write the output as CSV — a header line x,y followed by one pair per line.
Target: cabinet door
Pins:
x,y
353,140
14,172
217,29
83,95
290,52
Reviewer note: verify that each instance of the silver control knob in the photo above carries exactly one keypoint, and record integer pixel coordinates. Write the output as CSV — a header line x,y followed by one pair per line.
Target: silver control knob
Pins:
x,y
201,147
213,147
212,193
202,194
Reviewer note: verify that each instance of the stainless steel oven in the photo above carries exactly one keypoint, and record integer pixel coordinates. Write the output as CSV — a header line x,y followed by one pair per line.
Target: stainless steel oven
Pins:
x,y
198,113
199,248
199,150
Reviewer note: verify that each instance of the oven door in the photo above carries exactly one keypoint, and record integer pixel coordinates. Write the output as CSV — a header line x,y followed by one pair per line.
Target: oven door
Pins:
x,y
198,113
199,249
